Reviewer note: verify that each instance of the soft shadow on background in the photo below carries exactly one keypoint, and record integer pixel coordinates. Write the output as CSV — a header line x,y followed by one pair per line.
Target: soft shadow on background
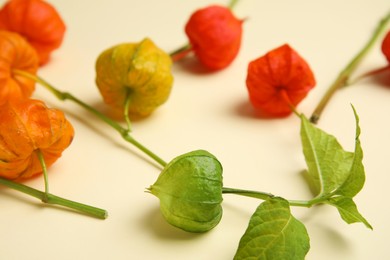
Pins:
x,y
154,222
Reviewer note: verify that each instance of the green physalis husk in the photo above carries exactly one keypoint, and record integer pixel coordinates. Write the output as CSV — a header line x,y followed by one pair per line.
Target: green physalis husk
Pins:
x,y
190,191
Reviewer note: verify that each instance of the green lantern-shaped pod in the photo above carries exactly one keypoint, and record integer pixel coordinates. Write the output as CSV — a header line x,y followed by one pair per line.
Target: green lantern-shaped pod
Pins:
x,y
190,191
138,71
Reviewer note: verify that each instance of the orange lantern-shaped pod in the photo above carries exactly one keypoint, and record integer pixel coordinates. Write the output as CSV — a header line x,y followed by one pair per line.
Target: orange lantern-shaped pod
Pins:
x,y
26,127
16,54
278,81
37,21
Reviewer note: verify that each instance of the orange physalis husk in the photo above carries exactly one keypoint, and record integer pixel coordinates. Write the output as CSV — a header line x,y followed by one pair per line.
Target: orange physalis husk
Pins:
x,y
278,81
386,46
215,36
139,71
36,20
25,127
16,54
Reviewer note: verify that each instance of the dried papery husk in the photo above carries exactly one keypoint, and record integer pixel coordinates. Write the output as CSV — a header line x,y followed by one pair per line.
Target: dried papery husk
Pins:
x,y
26,127
140,70
385,47
278,81
215,36
16,54
37,21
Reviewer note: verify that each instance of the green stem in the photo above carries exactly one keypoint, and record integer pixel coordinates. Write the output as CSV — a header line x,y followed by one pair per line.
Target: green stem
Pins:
x,y
126,110
285,97
232,4
345,74
52,199
248,193
181,52
265,196
44,172
67,96
127,137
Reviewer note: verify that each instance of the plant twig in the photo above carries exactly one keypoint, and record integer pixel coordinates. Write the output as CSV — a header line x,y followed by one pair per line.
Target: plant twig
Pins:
x,y
345,74
53,199
67,96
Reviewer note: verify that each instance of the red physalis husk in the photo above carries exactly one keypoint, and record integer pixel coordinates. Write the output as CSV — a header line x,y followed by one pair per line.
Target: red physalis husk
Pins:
x,y
25,127
278,81
386,46
215,36
16,54
37,21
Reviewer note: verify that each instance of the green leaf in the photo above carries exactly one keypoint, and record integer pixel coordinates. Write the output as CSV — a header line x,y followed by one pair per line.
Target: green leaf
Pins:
x,y
356,176
273,233
348,210
329,166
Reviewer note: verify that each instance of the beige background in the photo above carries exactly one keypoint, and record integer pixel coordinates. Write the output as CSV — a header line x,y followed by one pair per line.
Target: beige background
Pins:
x,y
205,111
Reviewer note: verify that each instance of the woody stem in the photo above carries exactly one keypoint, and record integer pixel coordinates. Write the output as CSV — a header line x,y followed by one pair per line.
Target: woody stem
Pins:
x,y
345,74
53,199
68,96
